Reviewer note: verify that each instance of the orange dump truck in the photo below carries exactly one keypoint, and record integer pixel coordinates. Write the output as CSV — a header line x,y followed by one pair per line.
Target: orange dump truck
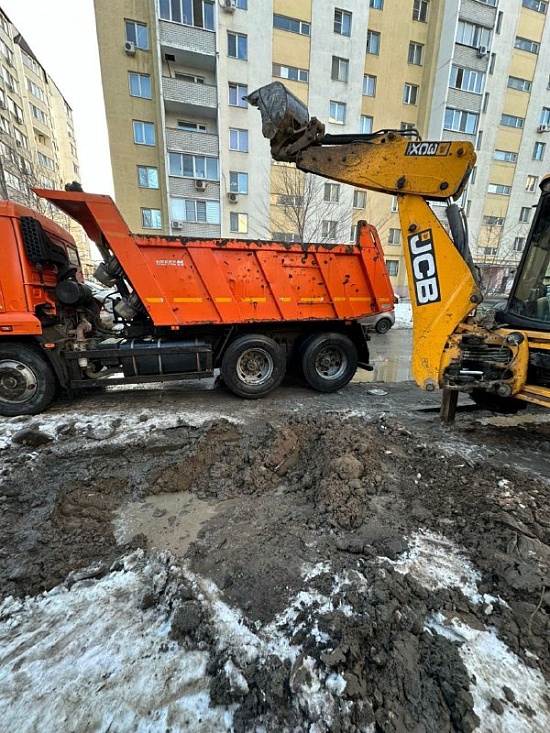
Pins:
x,y
183,307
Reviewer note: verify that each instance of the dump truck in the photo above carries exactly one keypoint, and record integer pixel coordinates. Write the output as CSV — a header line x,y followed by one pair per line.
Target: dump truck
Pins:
x,y
502,361
184,307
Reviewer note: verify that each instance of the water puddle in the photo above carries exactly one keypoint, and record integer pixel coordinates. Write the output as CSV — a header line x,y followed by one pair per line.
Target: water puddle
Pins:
x,y
169,521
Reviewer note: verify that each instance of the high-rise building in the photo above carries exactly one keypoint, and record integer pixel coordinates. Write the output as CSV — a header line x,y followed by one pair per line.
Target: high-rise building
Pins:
x,y
37,139
187,151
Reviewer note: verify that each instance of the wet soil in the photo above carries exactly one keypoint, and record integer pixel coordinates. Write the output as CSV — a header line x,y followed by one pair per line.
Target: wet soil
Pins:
x,y
336,483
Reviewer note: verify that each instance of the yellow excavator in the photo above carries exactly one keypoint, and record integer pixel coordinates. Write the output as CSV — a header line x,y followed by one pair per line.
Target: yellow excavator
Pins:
x,y
501,360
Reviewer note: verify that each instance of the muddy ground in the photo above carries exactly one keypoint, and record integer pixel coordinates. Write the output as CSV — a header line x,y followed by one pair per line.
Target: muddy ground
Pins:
x,y
302,496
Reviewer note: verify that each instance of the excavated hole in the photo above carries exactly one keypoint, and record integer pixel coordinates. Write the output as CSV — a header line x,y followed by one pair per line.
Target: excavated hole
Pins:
x,y
250,507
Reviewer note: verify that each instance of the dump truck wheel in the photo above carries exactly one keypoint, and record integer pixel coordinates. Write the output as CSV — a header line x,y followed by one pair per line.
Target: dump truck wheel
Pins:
x,y
329,361
27,383
383,325
252,366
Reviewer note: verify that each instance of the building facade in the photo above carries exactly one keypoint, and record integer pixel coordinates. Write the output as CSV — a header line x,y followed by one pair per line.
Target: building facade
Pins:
x,y
37,139
187,151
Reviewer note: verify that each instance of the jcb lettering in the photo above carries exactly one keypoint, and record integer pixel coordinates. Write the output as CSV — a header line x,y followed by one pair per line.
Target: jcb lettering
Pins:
x,y
427,148
424,268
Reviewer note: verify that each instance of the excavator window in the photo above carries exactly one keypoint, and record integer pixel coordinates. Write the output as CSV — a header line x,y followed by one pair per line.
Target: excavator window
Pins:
x,y
530,296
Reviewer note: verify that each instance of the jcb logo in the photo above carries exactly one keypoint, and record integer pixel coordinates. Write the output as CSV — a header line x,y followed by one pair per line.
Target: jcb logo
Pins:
x,y
426,283
427,148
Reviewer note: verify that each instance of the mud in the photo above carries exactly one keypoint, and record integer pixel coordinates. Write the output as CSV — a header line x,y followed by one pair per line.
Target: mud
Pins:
x,y
313,502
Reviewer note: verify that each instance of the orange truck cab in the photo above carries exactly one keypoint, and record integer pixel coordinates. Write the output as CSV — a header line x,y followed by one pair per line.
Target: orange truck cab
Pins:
x,y
183,307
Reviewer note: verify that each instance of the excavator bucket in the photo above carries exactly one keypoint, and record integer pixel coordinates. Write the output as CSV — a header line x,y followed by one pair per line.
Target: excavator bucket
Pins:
x,y
285,120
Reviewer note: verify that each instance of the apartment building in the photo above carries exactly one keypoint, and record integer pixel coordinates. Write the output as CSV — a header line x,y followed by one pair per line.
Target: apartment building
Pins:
x,y
37,139
187,151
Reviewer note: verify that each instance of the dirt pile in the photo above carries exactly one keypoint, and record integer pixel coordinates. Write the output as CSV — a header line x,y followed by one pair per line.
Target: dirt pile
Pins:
x,y
316,517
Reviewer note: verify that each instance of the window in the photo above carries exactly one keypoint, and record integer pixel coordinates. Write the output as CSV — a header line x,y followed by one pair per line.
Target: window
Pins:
x,y
519,244
410,94
137,34
207,212
337,112
471,34
238,222
192,78
329,229
148,177
544,118
10,80
407,126
393,206
365,124
19,137
237,45
369,85
538,151
506,156
416,52
359,199
511,121
490,251
193,166
12,181
36,112
236,94
531,183
353,233
525,214
290,72
342,22
151,219
460,120
479,139
493,221
394,236
30,63
377,4
392,267
35,89
140,85
191,126
238,139
144,133
373,42
340,69
540,6
241,4
238,182
291,24
524,85
499,188
468,80
289,200
285,237
420,10
188,12
525,44
331,192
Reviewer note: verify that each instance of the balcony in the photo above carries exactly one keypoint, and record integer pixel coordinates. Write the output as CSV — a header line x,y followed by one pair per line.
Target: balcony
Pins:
x,y
186,141
194,47
190,98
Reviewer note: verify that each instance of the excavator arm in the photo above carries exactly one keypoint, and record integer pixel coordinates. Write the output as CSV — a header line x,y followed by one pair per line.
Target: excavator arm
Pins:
x,y
443,281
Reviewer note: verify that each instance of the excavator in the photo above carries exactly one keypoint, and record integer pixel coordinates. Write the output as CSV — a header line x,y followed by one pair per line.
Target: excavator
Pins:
x,y
501,359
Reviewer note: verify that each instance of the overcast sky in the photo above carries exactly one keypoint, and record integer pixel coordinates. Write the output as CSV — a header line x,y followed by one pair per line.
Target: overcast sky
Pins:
x,y
62,35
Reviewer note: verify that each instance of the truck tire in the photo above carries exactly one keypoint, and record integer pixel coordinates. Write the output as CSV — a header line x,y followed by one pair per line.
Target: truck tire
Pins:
x,y
253,366
329,361
27,383
383,325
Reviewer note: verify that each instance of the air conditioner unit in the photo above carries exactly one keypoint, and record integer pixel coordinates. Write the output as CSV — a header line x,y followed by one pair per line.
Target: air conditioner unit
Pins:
x,y
228,5
482,51
130,48
177,225
200,185
233,197
543,128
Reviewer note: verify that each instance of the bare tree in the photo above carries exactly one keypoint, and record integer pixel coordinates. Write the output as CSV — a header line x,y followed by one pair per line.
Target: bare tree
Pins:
x,y
498,254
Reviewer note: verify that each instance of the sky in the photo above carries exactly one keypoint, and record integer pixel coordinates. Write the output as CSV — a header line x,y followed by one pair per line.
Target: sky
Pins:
x,y
62,35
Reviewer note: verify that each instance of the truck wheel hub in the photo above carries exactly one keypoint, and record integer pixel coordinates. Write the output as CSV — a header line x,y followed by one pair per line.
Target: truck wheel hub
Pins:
x,y
17,381
330,362
255,366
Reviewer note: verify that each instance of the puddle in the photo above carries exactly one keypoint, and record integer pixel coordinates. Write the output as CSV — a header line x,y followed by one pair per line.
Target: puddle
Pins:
x,y
169,521
391,356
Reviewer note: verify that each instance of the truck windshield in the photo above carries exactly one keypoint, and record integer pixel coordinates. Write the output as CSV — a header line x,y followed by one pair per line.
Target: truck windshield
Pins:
x,y
530,297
